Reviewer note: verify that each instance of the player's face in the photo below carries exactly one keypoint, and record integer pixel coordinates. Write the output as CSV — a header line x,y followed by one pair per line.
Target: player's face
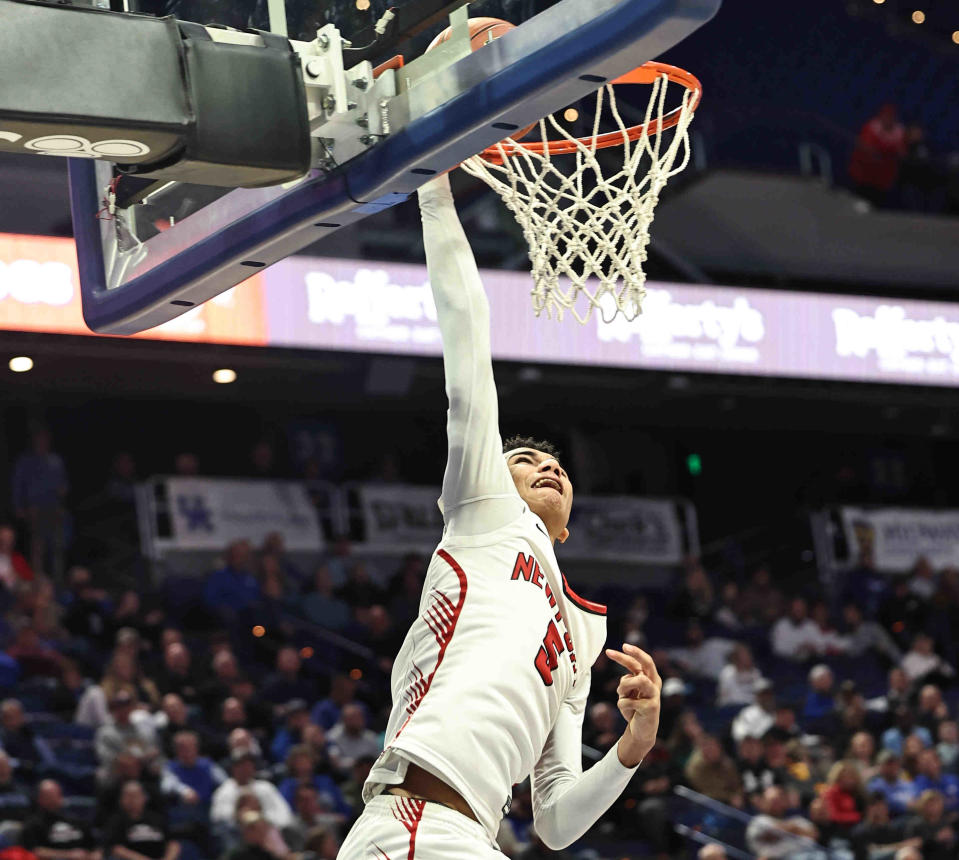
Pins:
x,y
545,487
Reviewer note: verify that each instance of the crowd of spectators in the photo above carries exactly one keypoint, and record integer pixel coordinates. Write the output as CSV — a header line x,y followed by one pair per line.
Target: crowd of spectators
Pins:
x,y
237,714
822,728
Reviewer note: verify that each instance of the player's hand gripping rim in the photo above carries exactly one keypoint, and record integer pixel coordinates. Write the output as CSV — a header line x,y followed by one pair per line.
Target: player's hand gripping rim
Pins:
x,y
638,702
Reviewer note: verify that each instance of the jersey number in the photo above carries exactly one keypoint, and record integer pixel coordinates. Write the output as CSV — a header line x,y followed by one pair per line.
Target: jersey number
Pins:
x,y
548,657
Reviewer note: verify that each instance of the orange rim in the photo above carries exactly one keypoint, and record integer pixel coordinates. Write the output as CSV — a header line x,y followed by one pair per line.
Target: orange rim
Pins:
x,y
644,74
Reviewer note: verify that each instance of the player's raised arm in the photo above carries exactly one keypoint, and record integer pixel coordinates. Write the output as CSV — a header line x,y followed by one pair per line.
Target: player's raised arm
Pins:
x,y
475,470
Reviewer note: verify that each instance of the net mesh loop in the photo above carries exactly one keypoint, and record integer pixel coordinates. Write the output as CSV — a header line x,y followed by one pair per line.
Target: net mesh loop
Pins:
x,y
588,232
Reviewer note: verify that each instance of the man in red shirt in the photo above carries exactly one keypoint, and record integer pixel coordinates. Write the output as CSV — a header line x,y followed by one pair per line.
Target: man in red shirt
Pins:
x,y
880,148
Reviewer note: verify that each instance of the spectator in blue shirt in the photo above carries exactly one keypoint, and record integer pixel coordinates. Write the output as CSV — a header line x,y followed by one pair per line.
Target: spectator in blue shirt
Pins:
x,y
819,710
931,777
326,712
297,717
233,588
900,793
892,739
322,606
287,682
193,770
301,770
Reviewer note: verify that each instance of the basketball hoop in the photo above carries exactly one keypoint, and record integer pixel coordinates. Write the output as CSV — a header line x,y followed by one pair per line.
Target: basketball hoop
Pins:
x,y
587,232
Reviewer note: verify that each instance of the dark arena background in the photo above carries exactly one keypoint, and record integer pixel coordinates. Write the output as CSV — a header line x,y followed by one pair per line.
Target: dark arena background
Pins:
x,y
213,536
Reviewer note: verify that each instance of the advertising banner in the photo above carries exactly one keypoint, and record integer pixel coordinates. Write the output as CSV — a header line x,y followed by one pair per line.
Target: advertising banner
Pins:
x,y
401,517
388,308
209,513
898,536
613,528
335,304
624,528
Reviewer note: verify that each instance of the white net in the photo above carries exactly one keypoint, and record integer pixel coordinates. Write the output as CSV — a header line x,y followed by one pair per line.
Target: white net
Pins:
x,y
587,232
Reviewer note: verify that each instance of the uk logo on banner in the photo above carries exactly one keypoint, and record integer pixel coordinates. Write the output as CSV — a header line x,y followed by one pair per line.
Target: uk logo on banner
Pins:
x,y
195,512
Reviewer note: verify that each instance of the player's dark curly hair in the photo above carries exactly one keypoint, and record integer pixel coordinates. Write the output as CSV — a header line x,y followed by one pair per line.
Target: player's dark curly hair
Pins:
x,y
530,442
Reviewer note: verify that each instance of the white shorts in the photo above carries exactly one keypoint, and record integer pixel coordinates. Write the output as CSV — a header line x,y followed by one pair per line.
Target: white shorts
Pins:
x,y
400,828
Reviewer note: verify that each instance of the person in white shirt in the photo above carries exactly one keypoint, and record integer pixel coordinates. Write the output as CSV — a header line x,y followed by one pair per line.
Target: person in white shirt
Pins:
x,y
826,640
243,779
922,661
793,636
770,834
350,739
755,720
738,679
702,656
491,682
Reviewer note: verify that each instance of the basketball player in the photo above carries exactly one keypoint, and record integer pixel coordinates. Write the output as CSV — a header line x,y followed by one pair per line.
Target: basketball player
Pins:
x,y
491,682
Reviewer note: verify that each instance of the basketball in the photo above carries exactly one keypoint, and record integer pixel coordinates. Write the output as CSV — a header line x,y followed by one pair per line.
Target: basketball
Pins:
x,y
482,32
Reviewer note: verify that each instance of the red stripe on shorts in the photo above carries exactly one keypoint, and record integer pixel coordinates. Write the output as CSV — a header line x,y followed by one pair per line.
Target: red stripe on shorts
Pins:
x,y
409,812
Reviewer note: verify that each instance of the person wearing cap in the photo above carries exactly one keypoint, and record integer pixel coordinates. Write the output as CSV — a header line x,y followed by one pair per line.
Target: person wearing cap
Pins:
x,y
254,831
673,699
755,720
296,717
900,793
126,730
301,770
243,778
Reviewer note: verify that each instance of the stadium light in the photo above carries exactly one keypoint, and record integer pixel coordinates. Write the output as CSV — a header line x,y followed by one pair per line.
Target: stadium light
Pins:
x,y
224,376
21,363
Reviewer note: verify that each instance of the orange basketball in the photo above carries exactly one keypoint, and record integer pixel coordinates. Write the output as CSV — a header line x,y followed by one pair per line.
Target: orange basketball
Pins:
x,y
482,32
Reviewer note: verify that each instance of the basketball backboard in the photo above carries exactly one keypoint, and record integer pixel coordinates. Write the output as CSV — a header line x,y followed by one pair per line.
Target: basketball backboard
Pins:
x,y
178,245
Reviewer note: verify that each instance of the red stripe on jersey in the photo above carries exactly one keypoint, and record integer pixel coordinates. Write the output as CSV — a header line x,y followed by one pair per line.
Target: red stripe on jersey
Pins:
x,y
442,623
385,855
585,605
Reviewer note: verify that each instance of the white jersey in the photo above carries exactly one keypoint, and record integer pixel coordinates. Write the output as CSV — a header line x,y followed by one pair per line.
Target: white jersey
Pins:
x,y
492,679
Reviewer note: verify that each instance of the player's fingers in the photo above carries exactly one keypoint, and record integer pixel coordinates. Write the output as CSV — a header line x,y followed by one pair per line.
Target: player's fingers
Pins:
x,y
636,686
630,663
649,667
628,707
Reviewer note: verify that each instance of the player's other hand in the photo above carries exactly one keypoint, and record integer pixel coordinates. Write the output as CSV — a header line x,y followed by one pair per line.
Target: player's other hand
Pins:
x,y
639,695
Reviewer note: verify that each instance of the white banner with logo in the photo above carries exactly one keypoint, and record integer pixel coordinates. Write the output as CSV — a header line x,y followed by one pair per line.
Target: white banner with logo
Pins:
x,y
898,536
619,528
401,517
625,528
209,513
